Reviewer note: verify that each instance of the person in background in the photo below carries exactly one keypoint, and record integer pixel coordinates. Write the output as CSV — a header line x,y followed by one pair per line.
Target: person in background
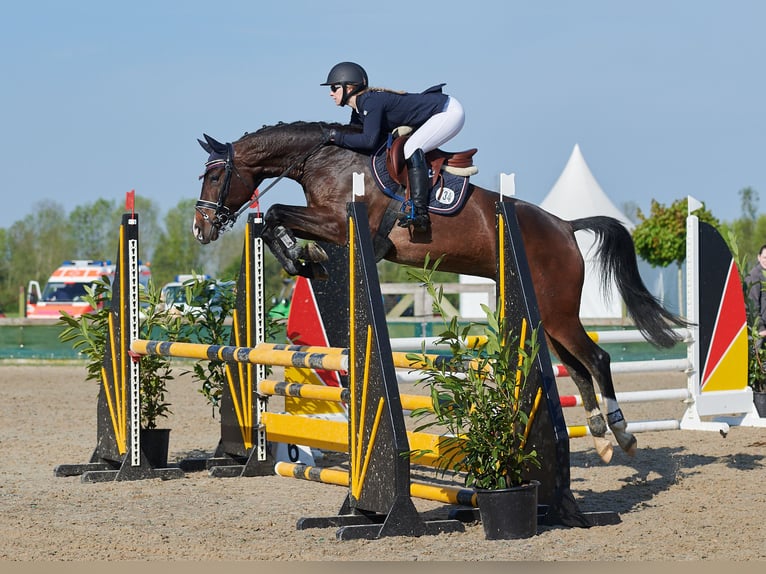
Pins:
x,y
434,117
757,292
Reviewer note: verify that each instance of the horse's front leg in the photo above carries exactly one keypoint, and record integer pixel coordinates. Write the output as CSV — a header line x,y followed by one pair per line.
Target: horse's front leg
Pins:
x,y
281,224
316,223
296,259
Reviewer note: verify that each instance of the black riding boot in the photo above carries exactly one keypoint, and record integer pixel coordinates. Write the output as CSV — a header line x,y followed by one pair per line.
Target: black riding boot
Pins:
x,y
417,171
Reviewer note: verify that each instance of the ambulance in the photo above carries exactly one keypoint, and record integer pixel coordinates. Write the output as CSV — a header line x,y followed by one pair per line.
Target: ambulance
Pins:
x,y
65,289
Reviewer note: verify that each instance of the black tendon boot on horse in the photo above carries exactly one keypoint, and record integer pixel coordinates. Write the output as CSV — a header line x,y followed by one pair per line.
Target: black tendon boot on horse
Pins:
x,y
417,174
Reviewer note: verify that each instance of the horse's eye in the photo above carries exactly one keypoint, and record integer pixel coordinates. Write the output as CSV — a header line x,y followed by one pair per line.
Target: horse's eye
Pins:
x,y
214,178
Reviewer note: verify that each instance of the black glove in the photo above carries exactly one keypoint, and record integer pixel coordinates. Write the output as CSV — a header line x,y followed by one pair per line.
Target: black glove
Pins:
x,y
329,136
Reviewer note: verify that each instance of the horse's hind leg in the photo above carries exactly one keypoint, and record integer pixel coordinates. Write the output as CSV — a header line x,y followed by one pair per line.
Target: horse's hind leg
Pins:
x,y
594,418
598,368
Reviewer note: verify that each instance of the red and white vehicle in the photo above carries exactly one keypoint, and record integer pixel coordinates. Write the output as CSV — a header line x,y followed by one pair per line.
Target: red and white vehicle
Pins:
x,y
65,289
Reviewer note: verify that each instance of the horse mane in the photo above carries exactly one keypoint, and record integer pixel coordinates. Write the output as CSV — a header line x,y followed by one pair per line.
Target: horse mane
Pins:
x,y
299,129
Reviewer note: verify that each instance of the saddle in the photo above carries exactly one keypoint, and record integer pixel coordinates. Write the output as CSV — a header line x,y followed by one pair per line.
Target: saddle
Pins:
x,y
457,163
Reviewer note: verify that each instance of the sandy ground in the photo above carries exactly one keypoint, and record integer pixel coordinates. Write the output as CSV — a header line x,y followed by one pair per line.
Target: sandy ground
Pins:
x,y
686,495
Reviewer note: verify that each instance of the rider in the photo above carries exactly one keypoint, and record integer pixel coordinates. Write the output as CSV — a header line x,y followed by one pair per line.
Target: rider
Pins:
x,y
434,116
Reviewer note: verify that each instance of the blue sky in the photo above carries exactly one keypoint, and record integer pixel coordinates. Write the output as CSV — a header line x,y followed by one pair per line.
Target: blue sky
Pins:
x,y
664,98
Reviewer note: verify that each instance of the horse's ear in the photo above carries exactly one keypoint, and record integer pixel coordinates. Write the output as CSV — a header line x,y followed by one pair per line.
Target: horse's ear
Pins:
x,y
215,145
205,146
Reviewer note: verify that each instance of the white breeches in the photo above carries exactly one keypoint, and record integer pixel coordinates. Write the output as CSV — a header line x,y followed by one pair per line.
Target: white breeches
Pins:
x,y
439,129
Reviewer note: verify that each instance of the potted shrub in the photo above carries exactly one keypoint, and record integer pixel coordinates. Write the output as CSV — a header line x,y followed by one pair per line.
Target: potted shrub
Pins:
x,y
88,334
479,401
160,323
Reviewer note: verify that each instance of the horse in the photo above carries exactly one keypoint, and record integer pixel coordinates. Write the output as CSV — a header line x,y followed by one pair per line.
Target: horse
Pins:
x,y
466,240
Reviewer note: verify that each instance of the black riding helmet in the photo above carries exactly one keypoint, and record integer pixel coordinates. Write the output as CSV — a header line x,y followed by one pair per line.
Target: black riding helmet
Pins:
x,y
344,74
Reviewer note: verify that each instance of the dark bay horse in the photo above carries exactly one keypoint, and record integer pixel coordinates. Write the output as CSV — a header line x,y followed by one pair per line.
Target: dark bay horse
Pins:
x,y
467,240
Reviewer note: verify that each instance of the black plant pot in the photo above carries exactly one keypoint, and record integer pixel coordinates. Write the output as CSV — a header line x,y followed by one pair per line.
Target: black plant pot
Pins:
x,y
509,513
759,400
154,445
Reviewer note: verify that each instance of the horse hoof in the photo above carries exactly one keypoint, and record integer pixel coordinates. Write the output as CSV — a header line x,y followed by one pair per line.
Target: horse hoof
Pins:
x,y
319,272
603,449
630,448
316,253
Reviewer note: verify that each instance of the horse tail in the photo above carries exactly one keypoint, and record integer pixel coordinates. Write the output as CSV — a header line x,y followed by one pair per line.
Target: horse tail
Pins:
x,y
617,255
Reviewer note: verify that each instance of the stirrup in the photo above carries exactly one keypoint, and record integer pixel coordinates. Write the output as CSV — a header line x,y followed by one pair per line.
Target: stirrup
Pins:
x,y
421,222
406,217
417,222
405,220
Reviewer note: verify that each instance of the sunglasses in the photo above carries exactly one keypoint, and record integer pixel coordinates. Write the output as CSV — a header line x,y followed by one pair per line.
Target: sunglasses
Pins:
x,y
335,87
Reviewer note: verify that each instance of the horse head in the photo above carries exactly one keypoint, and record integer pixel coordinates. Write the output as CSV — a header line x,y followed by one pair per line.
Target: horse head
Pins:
x,y
273,151
223,197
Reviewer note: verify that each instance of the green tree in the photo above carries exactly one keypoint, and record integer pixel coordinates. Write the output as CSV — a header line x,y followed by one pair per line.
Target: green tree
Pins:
x,y
749,231
660,239
177,250
95,224
34,247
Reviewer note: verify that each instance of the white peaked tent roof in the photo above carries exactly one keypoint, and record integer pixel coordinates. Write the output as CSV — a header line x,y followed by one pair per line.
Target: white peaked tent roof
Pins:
x,y
577,194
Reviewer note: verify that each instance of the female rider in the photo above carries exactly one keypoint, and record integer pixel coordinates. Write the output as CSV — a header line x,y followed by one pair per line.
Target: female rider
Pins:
x,y
434,117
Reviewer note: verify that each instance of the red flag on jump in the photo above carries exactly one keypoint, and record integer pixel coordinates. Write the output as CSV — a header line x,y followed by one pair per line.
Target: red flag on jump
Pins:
x,y
255,201
130,201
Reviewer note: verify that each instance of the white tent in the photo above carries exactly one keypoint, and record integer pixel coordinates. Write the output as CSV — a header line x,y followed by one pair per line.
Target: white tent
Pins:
x,y
577,194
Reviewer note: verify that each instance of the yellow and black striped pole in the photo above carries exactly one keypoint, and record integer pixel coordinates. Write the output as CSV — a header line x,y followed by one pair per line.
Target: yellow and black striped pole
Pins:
x,y
447,494
258,355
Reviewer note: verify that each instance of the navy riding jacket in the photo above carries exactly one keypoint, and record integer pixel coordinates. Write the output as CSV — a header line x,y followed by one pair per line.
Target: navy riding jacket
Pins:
x,y
380,112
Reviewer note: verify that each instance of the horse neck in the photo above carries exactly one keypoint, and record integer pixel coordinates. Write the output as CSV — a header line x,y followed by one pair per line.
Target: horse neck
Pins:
x,y
272,156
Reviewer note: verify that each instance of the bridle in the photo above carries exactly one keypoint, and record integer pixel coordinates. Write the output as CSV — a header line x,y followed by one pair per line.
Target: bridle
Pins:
x,y
223,218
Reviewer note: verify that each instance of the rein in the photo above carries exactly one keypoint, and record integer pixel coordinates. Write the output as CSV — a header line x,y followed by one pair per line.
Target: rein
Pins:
x,y
222,216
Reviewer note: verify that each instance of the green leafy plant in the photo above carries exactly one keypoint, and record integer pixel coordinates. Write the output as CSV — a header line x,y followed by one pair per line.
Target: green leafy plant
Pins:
x,y
207,315
88,332
660,238
157,322
88,335
477,390
208,306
